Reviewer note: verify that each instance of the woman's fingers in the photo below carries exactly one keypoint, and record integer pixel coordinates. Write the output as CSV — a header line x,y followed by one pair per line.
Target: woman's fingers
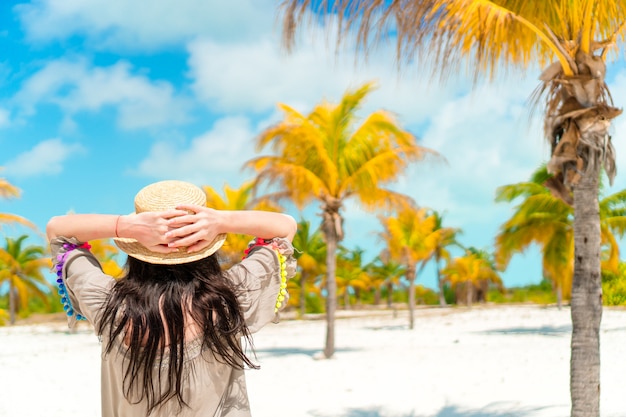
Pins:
x,y
189,226
197,247
163,249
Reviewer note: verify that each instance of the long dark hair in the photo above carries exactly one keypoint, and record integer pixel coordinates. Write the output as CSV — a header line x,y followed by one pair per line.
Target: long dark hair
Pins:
x,y
148,306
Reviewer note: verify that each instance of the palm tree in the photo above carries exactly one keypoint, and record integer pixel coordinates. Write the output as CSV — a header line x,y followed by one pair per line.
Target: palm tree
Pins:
x,y
447,238
310,255
572,40
21,267
351,273
473,271
241,198
327,157
410,238
385,272
542,218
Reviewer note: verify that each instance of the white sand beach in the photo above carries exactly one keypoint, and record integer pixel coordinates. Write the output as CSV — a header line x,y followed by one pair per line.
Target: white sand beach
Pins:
x,y
510,361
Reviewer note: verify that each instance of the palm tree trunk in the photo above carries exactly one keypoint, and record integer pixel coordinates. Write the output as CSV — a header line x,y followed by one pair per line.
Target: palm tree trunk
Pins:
x,y
330,233
12,302
586,303
440,283
410,274
346,299
469,293
389,294
302,294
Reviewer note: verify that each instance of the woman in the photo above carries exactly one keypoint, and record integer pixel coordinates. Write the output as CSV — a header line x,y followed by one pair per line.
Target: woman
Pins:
x,y
172,327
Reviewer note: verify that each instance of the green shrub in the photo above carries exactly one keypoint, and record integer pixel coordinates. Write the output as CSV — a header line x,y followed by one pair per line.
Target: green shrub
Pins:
x,y
425,296
614,292
541,293
614,286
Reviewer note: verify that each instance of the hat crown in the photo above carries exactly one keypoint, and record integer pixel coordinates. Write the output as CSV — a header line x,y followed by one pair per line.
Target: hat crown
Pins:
x,y
166,195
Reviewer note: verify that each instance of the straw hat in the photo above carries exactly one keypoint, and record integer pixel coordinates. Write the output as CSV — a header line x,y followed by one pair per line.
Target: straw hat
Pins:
x,y
166,195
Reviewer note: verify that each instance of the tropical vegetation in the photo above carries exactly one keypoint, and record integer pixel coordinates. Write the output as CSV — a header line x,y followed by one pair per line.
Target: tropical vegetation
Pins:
x,y
21,267
546,220
472,276
571,41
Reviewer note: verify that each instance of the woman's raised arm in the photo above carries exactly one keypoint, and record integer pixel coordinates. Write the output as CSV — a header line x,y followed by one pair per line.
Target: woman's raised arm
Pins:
x,y
198,229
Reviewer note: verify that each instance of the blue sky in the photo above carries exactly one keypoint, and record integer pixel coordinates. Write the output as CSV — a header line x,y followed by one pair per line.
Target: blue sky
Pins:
x,y
100,98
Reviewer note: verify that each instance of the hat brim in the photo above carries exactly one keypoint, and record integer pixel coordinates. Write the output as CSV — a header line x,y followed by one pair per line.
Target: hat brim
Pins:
x,y
135,249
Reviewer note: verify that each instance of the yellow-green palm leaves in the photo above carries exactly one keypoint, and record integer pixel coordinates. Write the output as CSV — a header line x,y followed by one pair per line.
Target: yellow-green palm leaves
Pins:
x,y
547,221
241,198
22,268
330,155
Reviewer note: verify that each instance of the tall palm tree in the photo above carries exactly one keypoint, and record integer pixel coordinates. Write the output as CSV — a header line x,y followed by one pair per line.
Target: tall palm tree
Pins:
x,y
572,41
241,198
330,155
310,256
21,267
410,238
546,220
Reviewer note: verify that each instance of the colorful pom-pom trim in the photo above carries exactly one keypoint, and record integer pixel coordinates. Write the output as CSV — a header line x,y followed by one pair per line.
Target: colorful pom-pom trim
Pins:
x,y
283,269
65,297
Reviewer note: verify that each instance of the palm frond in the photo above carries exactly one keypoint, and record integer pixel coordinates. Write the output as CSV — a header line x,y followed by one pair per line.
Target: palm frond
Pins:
x,y
508,193
7,190
13,218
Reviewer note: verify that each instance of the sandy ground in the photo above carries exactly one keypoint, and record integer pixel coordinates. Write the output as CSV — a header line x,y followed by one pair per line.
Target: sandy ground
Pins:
x,y
508,361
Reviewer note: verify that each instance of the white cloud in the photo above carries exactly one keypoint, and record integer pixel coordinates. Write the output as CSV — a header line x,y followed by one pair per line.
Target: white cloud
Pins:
x,y
135,25
46,158
255,76
484,134
212,159
77,87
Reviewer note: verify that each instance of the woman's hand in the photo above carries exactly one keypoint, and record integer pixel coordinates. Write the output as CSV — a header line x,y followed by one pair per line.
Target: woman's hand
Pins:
x,y
195,229
150,229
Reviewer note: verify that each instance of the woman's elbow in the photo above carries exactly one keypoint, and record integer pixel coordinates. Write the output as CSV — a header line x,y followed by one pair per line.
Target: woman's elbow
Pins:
x,y
292,227
51,228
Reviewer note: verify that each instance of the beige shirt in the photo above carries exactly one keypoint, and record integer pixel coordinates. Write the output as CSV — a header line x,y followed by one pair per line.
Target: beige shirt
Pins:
x,y
211,388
